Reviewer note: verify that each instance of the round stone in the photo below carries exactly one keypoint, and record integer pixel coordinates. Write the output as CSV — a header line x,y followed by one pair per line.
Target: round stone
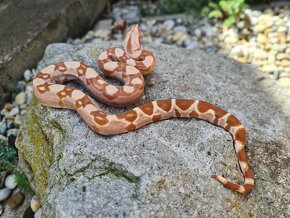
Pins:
x,y
13,132
27,75
4,193
10,182
3,127
34,203
38,213
192,45
20,98
17,121
14,111
169,24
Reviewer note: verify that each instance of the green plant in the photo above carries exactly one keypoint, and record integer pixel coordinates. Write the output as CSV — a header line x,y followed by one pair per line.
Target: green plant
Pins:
x,y
8,157
13,89
22,182
230,11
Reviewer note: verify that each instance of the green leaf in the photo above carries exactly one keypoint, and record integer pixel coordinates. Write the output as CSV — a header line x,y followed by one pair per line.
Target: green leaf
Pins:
x,y
213,5
205,11
215,14
230,21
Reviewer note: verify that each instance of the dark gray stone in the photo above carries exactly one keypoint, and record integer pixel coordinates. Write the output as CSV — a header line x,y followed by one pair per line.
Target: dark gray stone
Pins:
x,y
163,169
28,26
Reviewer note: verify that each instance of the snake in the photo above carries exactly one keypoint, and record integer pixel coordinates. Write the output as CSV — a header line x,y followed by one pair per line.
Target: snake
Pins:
x,y
129,66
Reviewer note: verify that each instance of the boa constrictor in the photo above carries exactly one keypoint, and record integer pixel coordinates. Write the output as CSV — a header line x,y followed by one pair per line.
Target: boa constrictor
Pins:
x,y
129,66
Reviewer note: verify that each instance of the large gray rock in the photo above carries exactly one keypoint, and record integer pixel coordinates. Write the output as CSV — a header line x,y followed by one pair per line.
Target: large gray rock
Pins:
x,y
28,26
163,169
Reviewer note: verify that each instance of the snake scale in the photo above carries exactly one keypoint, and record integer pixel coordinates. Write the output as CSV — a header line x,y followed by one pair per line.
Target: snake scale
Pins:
x,y
129,65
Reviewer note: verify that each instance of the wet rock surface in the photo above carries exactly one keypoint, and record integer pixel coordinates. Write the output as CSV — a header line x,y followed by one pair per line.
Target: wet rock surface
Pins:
x,y
162,169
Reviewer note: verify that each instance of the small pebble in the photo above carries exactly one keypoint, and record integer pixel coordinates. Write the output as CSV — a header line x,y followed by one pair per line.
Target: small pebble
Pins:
x,y
4,193
3,112
27,75
23,112
12,132
17,121
34,203
14,111
10,124
20,98
10,182
15,199
3,127
192,45
38,213
169,24
8,106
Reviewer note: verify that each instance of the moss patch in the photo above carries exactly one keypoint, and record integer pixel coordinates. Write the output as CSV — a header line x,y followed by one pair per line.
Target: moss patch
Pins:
x,y
36,149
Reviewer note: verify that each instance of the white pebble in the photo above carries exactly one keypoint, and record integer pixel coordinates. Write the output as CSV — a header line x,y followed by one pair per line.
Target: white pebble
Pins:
x,y
197,32
10,182
4,193
38,213
169,24
14,111
192,45
27,75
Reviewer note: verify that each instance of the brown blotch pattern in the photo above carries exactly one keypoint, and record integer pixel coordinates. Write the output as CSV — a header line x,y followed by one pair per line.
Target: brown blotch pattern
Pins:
x,y
110,97
205,106
232,186
232,121
99,117
183,104
193,114
81,70
156,118
67,91
241,135
164,105
83,102
129,116
177,114
60,67
43,76
242,155
147,108
43,88
96,129
131,127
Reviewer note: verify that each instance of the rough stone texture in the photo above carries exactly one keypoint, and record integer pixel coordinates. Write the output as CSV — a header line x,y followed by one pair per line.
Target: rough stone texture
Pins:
x,y
28,26
163,169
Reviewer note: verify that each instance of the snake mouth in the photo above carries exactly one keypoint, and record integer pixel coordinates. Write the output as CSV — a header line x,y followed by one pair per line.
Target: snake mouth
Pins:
x,y
132,43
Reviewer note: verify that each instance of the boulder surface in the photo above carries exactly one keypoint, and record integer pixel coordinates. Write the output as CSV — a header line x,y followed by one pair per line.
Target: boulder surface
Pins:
x,y
163,169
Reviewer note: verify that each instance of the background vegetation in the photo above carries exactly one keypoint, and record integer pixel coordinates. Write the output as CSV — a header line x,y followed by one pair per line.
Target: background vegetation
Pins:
x,y
229,11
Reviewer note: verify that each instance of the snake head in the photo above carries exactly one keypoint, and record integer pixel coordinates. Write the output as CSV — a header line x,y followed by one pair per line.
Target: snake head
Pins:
x,y
132,43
